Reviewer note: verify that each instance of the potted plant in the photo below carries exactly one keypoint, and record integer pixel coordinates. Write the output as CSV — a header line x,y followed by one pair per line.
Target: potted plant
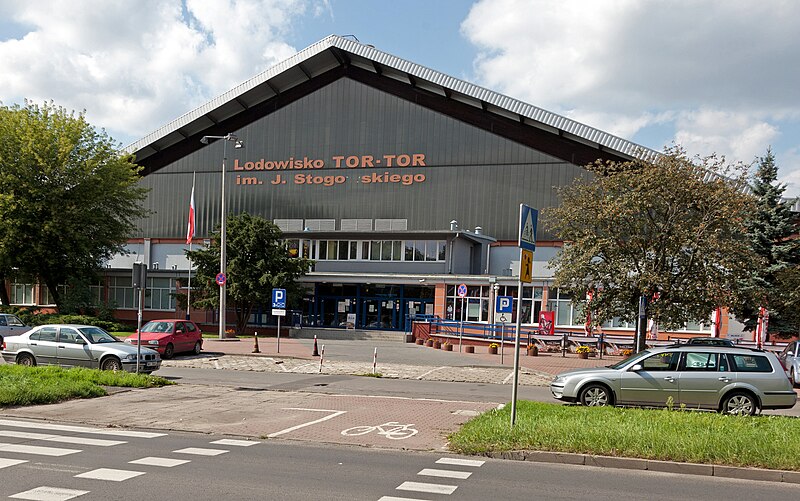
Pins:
x,y
493,348
429,341
420,341
583,351
447,346
437,344
533,350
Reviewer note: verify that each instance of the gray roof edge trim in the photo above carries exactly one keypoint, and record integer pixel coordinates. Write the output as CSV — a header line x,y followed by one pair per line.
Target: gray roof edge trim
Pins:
x,y
529,111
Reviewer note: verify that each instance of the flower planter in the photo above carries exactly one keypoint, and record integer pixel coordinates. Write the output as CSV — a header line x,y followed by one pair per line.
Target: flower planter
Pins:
x,y
447,347
469,349
420,341
533,351
429,342
437,345
583,355
493,350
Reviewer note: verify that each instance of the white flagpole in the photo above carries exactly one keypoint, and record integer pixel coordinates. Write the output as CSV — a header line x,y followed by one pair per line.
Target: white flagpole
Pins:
x,y
189,284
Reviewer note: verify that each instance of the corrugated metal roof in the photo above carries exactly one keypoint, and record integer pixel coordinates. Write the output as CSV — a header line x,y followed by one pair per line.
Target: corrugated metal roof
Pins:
x,y
419,73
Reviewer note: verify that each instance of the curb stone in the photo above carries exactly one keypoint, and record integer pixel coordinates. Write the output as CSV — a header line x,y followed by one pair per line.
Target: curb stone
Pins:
x,y
709,470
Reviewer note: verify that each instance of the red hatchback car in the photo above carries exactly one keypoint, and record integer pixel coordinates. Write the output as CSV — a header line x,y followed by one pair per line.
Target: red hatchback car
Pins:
x,y
170,336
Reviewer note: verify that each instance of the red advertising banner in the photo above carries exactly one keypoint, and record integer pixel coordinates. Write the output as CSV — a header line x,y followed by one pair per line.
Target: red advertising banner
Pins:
x,y
547,323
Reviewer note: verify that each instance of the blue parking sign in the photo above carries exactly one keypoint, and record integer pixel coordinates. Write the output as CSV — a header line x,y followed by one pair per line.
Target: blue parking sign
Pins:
x,y
504,304
279,299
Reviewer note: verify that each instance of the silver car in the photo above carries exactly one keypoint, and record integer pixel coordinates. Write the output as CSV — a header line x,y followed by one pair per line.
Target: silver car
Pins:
x,y
77,346
790,356
724,379
11,325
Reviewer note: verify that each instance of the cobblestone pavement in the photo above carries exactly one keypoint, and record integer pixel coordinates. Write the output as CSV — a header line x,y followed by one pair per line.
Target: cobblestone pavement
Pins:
x,y
494,375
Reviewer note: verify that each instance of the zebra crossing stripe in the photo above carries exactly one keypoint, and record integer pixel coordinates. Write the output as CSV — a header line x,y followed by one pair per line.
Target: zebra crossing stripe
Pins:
x,y
460,462
429,488
154,461
35,449
5,463
110,474
200,451
59,438
79,429
431,472
392,498
45,493
237,443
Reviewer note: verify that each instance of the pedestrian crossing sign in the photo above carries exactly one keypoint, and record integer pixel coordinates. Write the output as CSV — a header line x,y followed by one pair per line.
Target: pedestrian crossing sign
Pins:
x,y
528,218
526,266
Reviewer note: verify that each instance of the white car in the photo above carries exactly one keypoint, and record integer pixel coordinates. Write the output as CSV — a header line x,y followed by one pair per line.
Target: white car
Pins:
x,y
77,346
11,325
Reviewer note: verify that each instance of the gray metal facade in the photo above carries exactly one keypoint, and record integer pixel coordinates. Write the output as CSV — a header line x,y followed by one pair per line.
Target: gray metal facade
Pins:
x,y
471,175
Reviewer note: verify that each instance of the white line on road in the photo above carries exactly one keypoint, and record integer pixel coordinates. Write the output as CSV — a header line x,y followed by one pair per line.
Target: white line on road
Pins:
x,y
237,443
155,461
293,428
35,449
59,438
198,451
460,462
392,498
431,472
45,493
78,429
429,488
510,375
430,371
5,463
110,474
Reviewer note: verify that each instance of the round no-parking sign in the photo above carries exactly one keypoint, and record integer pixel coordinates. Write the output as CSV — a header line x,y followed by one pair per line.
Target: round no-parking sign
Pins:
x,y
221,279
462,290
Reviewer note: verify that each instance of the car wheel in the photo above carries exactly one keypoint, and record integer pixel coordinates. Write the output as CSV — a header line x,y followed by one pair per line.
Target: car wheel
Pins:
x,y
595,395
793,378
111,364
169,351
26,360
740,404
198,347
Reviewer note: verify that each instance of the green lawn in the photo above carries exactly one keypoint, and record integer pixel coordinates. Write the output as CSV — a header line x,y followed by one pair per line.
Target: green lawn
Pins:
x,y
46,385
669,435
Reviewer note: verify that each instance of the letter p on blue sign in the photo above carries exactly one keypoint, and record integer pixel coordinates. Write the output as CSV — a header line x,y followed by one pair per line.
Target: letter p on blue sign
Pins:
x,y
504,304
279,298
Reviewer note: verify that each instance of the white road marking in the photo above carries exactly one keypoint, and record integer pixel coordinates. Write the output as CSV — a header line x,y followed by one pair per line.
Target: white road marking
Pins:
x,y
429,488
5,463
35,449
60,438
430,371
79,429
460,462
392,498
293,428
155,461
45,493
510,375
110,474
431,472
200,451
237,443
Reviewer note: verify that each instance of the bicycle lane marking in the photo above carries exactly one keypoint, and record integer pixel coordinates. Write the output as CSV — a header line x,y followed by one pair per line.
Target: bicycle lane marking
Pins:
x,y
297,427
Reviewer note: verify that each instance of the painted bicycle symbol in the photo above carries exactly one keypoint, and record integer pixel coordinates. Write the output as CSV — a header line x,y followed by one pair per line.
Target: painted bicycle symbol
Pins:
x,y
392,430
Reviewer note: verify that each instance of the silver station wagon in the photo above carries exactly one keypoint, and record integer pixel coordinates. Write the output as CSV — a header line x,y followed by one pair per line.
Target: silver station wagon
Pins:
x,y
77,346
724,379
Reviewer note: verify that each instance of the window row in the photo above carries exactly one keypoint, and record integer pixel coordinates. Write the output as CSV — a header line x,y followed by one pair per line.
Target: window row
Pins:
x,y
159,294
367,250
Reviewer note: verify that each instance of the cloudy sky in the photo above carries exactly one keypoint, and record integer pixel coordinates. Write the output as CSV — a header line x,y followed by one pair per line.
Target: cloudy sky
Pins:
x,y
713,76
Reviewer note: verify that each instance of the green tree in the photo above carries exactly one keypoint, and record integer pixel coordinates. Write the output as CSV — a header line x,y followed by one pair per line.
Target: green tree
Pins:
x,y
68,198
670,225
773,232
257,262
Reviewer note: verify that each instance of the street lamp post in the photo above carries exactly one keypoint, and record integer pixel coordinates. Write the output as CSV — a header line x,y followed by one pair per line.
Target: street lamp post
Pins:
x,y
223,286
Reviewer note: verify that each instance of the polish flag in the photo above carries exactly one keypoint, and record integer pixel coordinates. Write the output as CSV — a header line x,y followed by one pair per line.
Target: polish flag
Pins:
x,y
190,228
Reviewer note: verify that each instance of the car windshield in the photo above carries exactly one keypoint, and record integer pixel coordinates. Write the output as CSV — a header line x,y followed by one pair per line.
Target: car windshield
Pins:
x,y
157,327
632,358
97,335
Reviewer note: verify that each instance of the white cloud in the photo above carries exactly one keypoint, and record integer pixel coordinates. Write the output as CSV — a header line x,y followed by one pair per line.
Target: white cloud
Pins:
x,y
709,131
138,65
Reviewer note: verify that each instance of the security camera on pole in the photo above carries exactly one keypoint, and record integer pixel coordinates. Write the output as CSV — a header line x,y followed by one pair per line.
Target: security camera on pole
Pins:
x,y
528,218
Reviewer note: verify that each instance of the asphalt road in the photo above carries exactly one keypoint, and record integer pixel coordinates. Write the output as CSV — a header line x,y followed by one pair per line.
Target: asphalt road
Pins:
x,y
179,466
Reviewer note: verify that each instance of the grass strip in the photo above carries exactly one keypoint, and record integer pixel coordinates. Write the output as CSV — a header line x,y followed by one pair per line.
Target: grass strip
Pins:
x,y
21,385
667,435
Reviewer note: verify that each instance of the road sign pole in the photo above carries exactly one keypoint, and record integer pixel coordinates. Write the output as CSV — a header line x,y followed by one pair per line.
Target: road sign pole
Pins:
x,y
279,334
516,351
